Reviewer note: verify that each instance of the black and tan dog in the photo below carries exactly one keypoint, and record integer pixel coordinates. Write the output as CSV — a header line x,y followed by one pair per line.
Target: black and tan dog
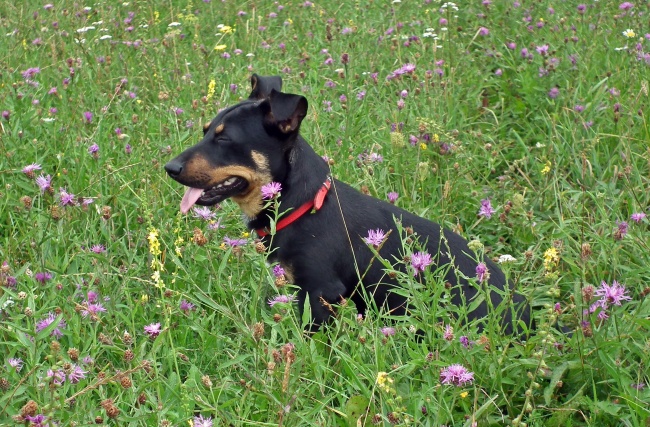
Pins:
x,y
320,239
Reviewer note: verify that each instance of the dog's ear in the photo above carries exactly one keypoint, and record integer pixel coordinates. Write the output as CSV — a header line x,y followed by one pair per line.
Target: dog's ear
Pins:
x,y
261,86
285,111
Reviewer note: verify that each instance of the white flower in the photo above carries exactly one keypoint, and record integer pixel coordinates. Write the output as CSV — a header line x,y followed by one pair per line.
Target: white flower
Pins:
x,y
85,29
503,259
106,37
174,24
629,33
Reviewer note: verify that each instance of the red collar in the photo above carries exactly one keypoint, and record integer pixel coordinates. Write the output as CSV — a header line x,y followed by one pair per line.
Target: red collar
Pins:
x,y
312,205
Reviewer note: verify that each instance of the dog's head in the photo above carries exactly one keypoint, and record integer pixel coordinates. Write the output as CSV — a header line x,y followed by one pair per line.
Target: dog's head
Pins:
x,y
243,148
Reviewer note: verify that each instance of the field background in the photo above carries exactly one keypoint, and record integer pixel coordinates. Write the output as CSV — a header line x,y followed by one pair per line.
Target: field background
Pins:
x,y
539,106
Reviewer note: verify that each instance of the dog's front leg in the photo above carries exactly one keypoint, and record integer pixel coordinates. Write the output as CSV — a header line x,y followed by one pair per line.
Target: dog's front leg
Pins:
x,y
321,299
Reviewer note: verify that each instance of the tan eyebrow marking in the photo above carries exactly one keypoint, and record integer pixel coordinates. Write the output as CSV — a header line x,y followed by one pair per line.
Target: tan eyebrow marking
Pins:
x,y
219,129
206,127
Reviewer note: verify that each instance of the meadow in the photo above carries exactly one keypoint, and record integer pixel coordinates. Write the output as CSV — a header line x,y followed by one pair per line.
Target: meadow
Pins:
x,y
521,125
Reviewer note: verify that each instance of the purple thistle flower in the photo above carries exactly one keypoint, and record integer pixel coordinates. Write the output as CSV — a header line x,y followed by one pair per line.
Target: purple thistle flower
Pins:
x,y
626,5
15,363
93,150
483,31
637,217
199,421
91,309
388,331
553,93
581,8
542,50
278,270
375,238
47,321
6,114
29,169
361,95
271,190
482,272
186,306
77,374
65,198
281,299
392,197
638,386
153,330
98,249
233,243
464,341
448,335
88,116
614,294
486,210
30,72
621,230
204,213
420,261
43,277
44,183
57,377
456,375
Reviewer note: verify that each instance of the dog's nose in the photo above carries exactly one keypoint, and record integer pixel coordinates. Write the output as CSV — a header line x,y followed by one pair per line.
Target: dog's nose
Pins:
x,y
174,168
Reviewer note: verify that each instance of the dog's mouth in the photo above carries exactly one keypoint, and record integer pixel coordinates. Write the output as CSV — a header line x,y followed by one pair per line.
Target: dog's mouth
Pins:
x,y
211,196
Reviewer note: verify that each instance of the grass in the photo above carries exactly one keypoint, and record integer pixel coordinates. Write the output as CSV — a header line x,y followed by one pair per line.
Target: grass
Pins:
x,y
556,137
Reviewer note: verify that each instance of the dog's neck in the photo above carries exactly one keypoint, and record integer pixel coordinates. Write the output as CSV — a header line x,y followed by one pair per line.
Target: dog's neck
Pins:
x,y
306,172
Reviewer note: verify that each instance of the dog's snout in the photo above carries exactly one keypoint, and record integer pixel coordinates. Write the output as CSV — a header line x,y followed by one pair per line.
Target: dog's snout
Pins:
x,y
174,168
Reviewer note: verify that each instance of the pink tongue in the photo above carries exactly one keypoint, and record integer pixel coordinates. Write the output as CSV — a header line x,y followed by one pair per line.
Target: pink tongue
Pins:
x,y
189,198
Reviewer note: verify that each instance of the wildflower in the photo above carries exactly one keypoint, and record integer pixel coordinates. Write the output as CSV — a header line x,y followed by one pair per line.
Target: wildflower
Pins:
x,y
392,197
638,386
233,243
581,8
482,272
621,230
6,114
93,150
91,309
200,421
464,341
47,321
547,168
278,270
30,72
448,335
542,50
98,249
153,330
77,374
504,259
553,93
551,258
57,377
483,31
361,95
271,190
637,217
384,381
613,294
388,331
456,375
626,5
154,244
186,306
420,261
65,198
43,277
88,116
15,363
281,299
204,213
29,169
44,182
629,33
375,237
486,210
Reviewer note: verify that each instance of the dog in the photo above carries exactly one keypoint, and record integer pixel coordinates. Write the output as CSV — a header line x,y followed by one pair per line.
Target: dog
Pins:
x,y
318,239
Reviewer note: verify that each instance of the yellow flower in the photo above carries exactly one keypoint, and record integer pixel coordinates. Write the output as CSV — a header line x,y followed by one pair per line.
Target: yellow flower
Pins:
x,y
436,137
464,394
551,258
144,298
156,17
423,146
154,244
547,168
226,29
211,87
220,47
245,234
629,33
